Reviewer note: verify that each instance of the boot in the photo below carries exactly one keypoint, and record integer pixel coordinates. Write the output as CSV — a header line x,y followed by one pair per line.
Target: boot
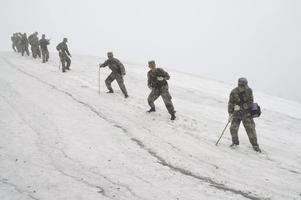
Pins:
x,y
110,91
152,110
126,96
234,144
173,117
257,149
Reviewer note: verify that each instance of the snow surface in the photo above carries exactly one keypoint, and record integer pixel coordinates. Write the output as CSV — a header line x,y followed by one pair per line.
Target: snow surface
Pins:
x,y
60,140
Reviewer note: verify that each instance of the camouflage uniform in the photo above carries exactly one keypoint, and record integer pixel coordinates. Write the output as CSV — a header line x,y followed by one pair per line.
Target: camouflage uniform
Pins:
x,y
34,43
14,40
45,53
118,71
24,44
159,88
243,100
64,55
18,37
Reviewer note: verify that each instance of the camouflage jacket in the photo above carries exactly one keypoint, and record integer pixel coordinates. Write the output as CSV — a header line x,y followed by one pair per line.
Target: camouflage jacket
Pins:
x,y
115,65
152,81
63,48
243,99
44,43
24,40
33,40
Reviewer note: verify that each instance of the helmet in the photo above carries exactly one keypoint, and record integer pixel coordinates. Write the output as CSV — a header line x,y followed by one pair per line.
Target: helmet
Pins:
x,y
151,62
242,82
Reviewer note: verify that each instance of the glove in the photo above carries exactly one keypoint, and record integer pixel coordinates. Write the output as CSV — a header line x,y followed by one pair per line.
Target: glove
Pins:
x,y
236,108
160,78
230,117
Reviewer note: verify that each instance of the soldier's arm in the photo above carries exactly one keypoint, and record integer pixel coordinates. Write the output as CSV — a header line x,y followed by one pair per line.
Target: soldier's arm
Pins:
x,y
231,104
165,75
58,47
250,100
149,83
67,51
122,69
104,64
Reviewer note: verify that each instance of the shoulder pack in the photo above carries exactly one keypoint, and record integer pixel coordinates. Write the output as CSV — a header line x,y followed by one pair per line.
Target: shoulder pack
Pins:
x,y
255,110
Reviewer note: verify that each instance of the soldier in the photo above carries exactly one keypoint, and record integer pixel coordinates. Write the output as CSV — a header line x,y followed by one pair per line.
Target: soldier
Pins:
x,y
24,44
239,108
64,54
43,44
34,43
157,82
18,42
118,72
14,39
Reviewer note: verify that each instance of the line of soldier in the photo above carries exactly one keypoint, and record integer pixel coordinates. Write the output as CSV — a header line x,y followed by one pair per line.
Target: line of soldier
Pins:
x,y
39,48
239,105
20,44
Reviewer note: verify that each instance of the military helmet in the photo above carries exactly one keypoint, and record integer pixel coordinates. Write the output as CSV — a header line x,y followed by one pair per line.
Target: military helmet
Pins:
x,y
242,82
65,40
151,62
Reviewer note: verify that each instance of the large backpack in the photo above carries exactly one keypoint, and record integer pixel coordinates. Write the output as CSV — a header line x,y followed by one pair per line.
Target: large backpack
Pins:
x,y
255,110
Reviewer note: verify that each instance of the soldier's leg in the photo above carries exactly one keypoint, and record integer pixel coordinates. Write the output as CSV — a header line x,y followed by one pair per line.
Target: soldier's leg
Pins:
x,y
33,52
47,55
167,100
234,130
43,55
27,51
63,64
68,60
109,81
38,51
22,51
152,97
249,125
120,82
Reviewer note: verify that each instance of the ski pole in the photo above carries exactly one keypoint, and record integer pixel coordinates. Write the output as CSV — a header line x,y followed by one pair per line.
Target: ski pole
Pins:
x,y
224,131
99,81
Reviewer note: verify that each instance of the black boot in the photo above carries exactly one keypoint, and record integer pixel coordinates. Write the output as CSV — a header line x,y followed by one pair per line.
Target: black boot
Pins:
x,y
173,117
110,91
257,149
152,110
126,96
234,144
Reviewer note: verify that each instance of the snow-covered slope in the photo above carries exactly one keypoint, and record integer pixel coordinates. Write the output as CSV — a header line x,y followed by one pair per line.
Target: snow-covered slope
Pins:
x,y
60,140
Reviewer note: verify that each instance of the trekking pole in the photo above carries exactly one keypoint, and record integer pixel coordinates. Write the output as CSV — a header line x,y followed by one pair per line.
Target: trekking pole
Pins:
x,y
99,81
224,131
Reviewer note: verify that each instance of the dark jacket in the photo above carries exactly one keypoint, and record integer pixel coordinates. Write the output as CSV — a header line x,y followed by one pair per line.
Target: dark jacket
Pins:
x,y
115,65
152,81
243,99
44,43
63,48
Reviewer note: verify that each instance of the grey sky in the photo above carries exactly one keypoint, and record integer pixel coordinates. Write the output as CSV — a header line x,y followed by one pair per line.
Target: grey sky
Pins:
x,y
221,39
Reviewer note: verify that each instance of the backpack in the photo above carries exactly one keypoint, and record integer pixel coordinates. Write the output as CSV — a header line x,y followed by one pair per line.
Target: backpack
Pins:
x,y
255,110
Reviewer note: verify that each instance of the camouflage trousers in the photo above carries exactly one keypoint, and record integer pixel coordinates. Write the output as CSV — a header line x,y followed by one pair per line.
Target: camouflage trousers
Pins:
x,y
249,125
164,93
118,77
24,48
45,55
35,50
65,60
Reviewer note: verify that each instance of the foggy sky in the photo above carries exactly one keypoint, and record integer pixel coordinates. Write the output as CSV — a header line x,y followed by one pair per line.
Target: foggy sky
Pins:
x,y
220,39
